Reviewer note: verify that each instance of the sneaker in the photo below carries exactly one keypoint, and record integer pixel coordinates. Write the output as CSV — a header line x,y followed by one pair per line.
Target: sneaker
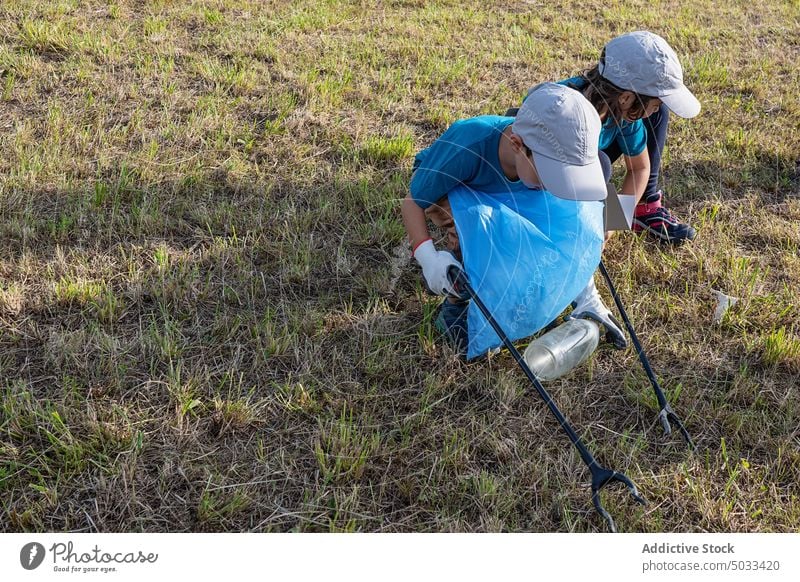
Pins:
x,y
452,323
589,305
650,216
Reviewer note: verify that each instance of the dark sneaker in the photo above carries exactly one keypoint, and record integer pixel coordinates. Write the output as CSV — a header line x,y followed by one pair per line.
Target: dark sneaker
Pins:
x,y
452,322
650,216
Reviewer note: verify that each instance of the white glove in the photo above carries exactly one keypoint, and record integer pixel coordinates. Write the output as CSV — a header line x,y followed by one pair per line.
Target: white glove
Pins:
x,y
589,305
434,267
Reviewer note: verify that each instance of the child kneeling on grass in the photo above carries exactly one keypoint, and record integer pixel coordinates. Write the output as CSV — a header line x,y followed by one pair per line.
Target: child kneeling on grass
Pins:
x,y
635,85
549,149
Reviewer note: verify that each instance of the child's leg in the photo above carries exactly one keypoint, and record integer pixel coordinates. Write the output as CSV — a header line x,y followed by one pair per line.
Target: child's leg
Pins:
x,y
650,214
452,317
441,215
613,152
656,126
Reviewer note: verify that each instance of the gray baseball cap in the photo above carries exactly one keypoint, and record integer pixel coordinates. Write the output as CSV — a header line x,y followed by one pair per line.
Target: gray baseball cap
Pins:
x,y
562,129
644,63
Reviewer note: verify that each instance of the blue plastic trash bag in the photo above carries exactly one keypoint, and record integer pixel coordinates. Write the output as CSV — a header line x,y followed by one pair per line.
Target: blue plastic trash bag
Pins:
x,y
527,254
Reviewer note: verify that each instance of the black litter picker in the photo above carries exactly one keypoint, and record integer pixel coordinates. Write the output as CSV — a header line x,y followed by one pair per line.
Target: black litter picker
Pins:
x,y
601,476
666,413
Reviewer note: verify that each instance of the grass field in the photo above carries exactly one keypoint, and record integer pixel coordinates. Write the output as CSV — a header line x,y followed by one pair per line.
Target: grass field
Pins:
x,y
209,320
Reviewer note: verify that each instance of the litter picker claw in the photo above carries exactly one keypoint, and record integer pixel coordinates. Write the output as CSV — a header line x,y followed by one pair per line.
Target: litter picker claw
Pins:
x,y
666,414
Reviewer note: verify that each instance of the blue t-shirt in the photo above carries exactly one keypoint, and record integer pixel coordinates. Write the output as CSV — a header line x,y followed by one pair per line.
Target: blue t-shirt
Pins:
x,y
631,136
467,153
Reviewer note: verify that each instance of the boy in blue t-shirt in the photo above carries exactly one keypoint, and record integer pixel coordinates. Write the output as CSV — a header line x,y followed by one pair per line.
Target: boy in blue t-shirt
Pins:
x,y
551,144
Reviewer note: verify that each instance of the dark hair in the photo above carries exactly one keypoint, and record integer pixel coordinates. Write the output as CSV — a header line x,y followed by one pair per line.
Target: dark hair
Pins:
x,y
604,95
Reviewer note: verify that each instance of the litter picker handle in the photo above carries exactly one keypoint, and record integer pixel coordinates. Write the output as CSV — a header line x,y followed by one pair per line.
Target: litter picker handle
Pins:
x,y
457,278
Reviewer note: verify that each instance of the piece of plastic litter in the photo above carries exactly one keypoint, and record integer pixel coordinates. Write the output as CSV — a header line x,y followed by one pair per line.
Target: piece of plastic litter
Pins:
x,y
724,302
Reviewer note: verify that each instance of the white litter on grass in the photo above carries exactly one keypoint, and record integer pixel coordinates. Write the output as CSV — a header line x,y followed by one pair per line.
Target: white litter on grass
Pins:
x,y
723,303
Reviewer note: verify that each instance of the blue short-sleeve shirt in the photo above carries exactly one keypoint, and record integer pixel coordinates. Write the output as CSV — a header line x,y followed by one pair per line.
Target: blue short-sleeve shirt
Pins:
x,y
630,136
465,154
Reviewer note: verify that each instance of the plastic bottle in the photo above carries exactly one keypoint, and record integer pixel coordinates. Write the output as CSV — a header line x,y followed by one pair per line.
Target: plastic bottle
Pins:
x,y
562,349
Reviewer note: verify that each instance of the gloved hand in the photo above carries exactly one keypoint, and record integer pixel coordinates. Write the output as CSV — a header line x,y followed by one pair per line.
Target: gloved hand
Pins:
x,y
589,305
434,267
